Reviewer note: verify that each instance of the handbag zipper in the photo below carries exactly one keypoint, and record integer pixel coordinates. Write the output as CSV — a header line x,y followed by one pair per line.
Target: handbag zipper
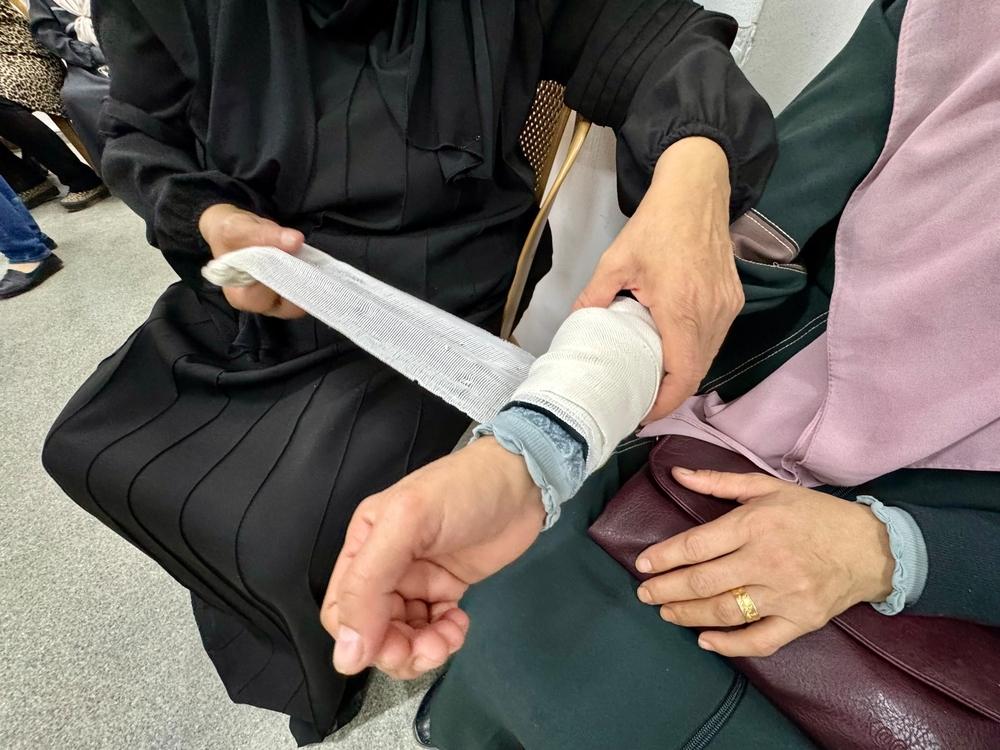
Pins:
x,y
714,724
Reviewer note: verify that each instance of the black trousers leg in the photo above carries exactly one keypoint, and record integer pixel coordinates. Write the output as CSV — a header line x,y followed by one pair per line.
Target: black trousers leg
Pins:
x,y
20,174
19,126
83,96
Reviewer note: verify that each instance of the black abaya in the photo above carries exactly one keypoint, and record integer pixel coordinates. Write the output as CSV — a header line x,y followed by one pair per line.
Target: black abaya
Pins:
x,y
233,448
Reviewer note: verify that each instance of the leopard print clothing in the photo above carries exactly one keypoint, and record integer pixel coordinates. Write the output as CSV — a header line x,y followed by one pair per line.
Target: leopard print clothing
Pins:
x,y
29,74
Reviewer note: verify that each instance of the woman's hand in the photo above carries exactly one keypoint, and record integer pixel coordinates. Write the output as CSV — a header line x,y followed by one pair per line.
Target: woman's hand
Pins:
x,y
412,551
227,228
802,556
675,255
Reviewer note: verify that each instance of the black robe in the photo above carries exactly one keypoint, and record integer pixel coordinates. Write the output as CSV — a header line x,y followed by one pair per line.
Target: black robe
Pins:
x,y
233,448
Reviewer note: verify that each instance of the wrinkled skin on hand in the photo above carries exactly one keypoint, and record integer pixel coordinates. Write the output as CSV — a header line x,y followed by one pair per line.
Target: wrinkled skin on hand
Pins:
x,y
802,556
675,255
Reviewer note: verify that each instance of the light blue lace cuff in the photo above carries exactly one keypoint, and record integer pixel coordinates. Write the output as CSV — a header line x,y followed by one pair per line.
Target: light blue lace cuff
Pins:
x,y
906,542
555,460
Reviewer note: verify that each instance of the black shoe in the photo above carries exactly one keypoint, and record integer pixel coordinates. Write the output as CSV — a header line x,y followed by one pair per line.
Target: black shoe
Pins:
x,y
81,199
41,193
422,721
17,282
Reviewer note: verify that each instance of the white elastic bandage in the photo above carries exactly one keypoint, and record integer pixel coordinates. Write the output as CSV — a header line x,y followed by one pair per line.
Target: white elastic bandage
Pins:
x,y
600,376
466,366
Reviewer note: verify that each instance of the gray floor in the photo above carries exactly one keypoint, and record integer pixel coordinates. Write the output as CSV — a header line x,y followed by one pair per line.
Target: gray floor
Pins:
x,y
98,647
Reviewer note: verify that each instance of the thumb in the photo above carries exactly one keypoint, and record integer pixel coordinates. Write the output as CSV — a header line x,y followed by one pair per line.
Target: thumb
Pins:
x,y
249,230
270,234
602,288
366,591
726,485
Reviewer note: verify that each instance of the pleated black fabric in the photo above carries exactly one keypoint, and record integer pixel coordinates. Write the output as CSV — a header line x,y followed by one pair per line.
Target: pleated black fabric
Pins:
x,y
240,483
234,448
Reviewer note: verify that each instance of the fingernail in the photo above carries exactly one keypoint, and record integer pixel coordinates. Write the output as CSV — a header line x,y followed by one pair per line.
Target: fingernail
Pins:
x,y
643,565
289,238
420,664
667,614
682,471
644,595
347,651
705,645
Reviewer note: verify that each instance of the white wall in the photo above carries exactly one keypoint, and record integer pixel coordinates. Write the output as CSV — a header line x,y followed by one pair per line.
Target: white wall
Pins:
x,y
794,39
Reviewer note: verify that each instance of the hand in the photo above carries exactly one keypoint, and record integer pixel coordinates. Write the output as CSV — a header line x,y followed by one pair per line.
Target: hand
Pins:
x,y
227,228
412,551
802,556
675,255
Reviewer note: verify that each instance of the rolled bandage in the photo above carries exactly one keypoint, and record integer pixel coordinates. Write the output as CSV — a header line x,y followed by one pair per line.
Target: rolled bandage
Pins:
x,y
469,368
600,375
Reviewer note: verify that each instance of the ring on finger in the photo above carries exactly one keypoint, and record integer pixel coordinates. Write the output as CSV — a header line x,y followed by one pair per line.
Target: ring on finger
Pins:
x,y
746,605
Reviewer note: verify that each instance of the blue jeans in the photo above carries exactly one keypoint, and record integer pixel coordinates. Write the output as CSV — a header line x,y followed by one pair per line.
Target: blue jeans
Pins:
x,y
20,238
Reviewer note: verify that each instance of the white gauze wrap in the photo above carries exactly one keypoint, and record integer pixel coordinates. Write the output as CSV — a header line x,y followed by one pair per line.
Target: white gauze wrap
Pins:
x,y
600,376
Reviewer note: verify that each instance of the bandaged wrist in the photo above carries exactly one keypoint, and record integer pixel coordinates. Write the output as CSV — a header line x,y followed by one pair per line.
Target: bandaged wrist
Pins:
x,y
600,376
906,542
555,459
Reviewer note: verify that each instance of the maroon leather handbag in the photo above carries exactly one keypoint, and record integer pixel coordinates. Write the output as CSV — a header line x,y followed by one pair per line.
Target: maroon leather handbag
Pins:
x,y
864,680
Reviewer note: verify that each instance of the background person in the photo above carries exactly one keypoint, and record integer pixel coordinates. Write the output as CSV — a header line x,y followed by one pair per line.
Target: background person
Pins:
x,y
28,250
66,28
30,80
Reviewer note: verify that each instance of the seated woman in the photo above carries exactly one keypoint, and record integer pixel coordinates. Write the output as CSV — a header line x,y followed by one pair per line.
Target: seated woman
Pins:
x,y
868,369
65,27
232,437
30,80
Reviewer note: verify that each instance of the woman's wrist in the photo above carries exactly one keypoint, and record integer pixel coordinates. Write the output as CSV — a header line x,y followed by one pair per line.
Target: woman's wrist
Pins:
x,y
696,163
510,476
871,556
551,458
909,554
691,185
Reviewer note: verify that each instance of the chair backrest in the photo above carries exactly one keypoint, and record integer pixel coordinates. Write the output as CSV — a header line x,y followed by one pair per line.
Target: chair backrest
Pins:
x,y
543,131
540,139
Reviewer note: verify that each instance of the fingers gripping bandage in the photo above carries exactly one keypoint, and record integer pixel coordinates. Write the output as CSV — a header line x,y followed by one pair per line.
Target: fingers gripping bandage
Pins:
x,y
600,376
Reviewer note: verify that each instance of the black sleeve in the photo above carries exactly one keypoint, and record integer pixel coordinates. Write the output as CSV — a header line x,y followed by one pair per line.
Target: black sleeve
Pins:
x,y
657,71
958,513
151,157
49,32
963,566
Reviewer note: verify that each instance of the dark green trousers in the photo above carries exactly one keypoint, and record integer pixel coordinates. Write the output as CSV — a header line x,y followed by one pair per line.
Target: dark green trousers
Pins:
x,y
561,655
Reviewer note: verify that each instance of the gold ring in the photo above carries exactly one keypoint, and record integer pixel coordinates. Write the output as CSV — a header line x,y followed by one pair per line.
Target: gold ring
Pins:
x,y
746,605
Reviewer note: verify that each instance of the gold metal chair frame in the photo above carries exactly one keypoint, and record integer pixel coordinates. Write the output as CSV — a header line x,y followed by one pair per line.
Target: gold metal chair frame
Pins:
x,y
540,140
64,125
